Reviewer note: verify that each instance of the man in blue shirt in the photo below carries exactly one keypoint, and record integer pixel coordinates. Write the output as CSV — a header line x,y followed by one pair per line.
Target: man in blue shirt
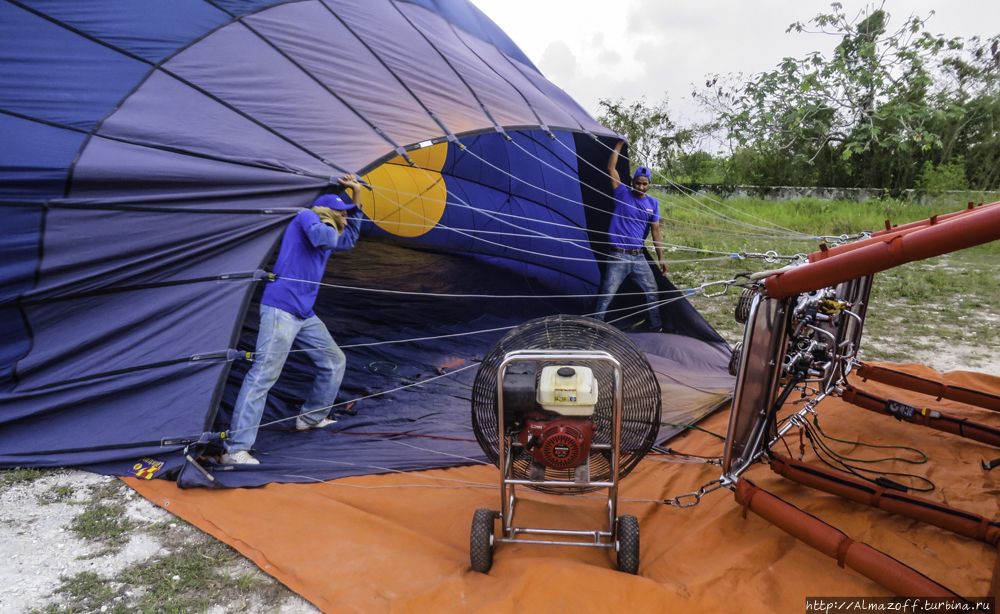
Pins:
x,y
287,320
634,213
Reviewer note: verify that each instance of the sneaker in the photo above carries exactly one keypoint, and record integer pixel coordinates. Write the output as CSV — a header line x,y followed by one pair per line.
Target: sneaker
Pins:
x,y
302,425
239,458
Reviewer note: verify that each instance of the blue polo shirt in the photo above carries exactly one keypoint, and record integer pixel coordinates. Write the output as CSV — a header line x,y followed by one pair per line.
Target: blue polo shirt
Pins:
x,y
631,219
305,248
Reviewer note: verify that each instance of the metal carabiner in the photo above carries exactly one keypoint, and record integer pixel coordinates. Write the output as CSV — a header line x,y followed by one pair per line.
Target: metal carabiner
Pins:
x,y
704,490
725,287
676,501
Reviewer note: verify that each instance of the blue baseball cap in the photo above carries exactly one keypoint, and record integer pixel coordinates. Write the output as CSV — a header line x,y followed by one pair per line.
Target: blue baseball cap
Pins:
x,y
642,171
332,201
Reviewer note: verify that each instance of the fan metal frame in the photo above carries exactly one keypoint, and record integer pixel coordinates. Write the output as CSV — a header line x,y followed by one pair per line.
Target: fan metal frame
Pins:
x,y
508,442
641,397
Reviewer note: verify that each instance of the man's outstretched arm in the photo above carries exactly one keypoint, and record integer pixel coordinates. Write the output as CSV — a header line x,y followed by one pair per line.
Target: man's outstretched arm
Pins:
x,y
616,180
654,231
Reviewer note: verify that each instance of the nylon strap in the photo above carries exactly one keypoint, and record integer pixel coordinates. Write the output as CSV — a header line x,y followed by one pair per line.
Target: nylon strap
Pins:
x,y
842,549
981,531
879,491
746,500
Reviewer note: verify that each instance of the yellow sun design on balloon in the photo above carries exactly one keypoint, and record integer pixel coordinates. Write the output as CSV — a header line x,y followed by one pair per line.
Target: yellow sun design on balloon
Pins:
x,y
405,200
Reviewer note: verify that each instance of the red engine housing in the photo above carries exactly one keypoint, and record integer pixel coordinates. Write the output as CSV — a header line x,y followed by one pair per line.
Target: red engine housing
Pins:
x,y
559,443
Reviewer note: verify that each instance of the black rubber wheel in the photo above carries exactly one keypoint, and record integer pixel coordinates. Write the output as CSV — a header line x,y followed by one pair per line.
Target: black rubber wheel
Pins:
x,y
481,541
628,544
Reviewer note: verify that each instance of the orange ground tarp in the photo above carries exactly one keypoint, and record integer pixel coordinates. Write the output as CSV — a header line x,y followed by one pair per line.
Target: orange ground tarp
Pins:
x,y
400,543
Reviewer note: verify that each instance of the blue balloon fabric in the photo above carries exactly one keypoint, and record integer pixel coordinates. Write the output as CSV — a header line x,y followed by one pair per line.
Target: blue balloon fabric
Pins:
x,y
152,159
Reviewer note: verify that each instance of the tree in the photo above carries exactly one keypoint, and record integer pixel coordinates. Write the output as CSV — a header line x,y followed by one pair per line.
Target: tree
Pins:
x,y
653,136
866,116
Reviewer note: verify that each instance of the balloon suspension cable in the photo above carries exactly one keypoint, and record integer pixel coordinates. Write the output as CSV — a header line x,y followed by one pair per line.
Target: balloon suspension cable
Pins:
x,y
792,234
496,216
529,184
562,172
632,312
342,403
801,235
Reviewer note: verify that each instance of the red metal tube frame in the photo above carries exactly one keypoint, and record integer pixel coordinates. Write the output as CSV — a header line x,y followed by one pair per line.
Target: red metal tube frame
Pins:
x,y
983,433
895,502
976,227
862,558
934,388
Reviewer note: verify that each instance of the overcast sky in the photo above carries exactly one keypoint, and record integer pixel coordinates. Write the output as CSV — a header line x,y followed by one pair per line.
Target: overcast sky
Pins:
x,y
658,48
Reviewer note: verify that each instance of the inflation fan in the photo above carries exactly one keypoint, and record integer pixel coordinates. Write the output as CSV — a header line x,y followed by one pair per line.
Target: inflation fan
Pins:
x,y
563,405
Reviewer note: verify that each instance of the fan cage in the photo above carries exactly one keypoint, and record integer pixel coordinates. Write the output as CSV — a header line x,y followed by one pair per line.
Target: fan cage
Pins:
x,y
641,400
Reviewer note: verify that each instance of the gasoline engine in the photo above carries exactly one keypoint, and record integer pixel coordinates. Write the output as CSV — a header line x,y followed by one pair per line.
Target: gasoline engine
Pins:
x,y
553,421
563,405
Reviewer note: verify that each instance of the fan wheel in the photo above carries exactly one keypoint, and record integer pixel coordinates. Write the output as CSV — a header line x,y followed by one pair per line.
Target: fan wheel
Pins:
x,y
627,544
481,540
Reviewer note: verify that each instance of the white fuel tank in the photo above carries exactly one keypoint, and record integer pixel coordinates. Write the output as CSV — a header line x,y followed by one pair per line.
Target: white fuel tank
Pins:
x,y
570,391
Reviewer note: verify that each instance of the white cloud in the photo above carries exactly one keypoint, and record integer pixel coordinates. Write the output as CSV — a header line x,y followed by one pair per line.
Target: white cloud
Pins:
x,y
609,57
663,47
558,61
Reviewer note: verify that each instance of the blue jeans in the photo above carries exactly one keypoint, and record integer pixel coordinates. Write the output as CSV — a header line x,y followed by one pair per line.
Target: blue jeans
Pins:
x,y
616,270
280,332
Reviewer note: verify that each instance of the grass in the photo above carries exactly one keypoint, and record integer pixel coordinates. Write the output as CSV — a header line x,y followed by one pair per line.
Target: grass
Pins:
x,y
190,579
21,475
103,519
196,573
914,307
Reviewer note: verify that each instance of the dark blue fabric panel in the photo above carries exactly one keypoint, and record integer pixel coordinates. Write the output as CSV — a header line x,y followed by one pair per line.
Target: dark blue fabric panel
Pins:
x,y
165,112
322,45
132,408
151,31
462,13
503,102
564,100
54,74
539,232
20,239
414,61
496,174
116,172
15,341
240,8
35,158
92,249
239,67
558,164
468,17
550,113
87,336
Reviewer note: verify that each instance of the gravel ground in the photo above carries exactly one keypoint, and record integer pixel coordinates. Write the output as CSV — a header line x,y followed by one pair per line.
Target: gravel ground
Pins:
x,y
39,547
